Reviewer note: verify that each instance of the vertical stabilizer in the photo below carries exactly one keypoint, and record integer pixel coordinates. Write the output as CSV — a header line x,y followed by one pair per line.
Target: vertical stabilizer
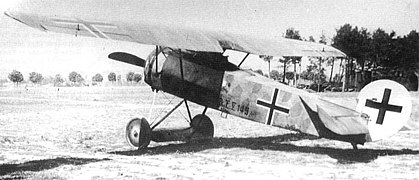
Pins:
x,y
386,105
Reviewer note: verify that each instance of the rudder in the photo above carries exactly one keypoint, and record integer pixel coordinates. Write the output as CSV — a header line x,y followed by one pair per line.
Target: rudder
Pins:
x,y
386,105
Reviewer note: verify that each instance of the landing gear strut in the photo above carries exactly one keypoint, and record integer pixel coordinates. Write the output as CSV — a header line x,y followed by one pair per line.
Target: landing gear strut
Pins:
x,y
354,146
139,133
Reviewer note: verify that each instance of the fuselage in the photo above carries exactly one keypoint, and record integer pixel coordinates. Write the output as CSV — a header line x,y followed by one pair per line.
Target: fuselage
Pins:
x,y
210,80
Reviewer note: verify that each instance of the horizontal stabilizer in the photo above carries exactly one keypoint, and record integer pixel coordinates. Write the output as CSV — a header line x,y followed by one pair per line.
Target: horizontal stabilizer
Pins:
x,y
344,128
343,125
338,119
127,58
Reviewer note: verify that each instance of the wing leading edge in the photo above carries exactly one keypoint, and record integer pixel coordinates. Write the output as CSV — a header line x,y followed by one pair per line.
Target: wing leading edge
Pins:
x,y
109,22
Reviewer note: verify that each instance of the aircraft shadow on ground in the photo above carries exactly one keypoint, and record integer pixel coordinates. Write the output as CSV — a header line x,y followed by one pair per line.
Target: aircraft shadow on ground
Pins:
x,y
40,165
276,143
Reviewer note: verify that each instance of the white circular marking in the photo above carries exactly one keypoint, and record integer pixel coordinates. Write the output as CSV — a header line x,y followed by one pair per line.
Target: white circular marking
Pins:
x,y
393,120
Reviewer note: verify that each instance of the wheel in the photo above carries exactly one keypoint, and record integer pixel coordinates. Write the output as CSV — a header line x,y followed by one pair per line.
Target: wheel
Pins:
x,y
138,133
202,127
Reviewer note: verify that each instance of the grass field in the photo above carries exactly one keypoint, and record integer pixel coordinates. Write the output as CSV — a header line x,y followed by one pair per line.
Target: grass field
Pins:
x,y
78,133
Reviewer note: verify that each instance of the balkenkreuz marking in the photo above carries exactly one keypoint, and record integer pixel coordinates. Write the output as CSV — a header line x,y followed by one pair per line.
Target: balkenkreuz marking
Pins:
x,y
272,107
383,106
91,27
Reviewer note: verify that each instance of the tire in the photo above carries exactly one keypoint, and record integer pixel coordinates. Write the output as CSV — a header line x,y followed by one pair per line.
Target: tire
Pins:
x,y
138,133
203,127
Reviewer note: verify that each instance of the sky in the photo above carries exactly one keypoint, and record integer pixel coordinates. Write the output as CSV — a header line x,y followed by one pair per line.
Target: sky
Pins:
x,y
27,49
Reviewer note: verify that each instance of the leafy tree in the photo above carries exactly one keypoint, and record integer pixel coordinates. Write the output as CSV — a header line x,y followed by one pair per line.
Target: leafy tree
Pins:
x,y
75,77
275,75
343,39
356,44
313,72
35,77
404,60
97,78
285,61
307,75
267,59
291,33
412,57
130,76
137,77
258,71
311,39
323,39
118,78
112,77
58,80
385,54
289,59
289,76
382,46
16,77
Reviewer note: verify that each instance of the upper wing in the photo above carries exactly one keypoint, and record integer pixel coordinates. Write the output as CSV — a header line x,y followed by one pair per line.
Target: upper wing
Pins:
x,y
120,21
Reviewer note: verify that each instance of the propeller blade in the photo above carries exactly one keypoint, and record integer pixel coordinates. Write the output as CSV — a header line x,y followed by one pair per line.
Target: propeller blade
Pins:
x,y
127,58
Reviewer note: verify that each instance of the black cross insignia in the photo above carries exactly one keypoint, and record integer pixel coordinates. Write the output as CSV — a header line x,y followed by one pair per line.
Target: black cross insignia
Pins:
x,y
272,106
91,27
383,106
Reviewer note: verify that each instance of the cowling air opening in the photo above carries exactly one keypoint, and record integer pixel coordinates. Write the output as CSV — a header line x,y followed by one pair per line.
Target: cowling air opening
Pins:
x,y
386,106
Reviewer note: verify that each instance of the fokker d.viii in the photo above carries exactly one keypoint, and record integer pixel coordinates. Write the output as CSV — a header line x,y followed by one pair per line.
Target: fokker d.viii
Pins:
x,y
189,63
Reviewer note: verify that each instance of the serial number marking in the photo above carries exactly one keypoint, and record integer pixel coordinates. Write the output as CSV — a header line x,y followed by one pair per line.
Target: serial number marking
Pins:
x,y
231,105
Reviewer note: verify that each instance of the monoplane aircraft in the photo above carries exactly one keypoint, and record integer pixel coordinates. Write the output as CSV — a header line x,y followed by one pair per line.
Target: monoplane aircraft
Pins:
x,y
188,62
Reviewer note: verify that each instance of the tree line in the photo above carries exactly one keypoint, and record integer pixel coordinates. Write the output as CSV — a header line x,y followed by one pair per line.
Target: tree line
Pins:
x,y
75,78
370,56
379,55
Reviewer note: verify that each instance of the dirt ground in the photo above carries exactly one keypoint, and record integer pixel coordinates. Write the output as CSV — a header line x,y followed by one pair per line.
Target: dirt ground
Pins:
x,y
78,133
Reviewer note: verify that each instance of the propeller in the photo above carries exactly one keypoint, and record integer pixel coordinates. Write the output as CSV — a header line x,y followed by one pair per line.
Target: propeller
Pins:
x,y
127,58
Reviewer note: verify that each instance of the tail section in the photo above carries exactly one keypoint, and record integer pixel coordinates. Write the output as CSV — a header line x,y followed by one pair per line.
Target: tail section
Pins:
x,y
343,128
338,119
386,105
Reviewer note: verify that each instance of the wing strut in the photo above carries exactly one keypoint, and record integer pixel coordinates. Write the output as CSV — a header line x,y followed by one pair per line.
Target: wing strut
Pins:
x,y
183,79
157,56
205,110
243,59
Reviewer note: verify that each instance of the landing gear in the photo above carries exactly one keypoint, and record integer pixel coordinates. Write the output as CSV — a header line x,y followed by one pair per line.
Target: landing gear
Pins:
x,y
138,133
354,146
202,127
